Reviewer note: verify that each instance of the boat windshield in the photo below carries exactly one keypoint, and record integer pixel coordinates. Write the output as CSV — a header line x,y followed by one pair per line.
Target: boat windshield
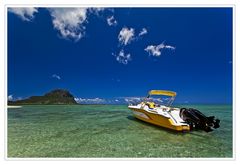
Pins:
x,y
159,100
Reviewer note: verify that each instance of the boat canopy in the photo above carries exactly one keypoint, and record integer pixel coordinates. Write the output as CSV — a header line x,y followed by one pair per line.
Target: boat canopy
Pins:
x,y
162,92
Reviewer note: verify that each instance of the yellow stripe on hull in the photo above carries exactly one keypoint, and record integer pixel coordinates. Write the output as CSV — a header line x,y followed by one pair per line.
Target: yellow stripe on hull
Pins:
x,y
159,120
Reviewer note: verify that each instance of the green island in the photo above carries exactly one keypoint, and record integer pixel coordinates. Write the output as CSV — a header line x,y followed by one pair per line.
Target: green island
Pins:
x,y
54,97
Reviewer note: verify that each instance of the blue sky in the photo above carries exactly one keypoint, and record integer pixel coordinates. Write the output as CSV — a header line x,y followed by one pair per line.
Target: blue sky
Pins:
x,y
101,54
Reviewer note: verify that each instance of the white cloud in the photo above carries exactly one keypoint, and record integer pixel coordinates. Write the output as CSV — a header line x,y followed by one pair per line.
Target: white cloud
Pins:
x,y
10,98
126,35
169,47
123,58
56,76
116,79
69,21
25,13
90,100
111,21
118,100
156,50
96,10
144,31
133,100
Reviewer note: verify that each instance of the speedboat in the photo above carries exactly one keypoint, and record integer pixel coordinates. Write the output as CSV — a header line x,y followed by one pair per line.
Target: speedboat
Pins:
x,y
164,115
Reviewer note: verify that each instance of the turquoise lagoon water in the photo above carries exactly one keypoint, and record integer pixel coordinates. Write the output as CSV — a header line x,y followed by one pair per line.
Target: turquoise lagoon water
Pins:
x,y
110,131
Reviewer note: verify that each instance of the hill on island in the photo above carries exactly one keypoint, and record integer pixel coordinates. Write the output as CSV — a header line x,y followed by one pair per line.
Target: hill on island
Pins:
x,y
54,97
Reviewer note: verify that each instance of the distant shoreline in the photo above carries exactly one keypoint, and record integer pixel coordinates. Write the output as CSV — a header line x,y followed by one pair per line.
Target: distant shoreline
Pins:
x,y
13,106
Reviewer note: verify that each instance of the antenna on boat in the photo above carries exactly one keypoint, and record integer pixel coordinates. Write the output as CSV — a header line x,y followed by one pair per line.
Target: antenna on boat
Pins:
x,y
145,99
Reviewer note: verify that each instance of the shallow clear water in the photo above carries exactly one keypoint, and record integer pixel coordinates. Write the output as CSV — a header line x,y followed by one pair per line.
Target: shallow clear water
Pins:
x,y
80,131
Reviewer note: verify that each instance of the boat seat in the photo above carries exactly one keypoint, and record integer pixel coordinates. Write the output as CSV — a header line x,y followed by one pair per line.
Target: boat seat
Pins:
x,y
151,105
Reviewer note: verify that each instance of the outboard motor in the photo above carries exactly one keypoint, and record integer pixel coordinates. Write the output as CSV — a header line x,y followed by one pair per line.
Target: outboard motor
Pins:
x,y
198,120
